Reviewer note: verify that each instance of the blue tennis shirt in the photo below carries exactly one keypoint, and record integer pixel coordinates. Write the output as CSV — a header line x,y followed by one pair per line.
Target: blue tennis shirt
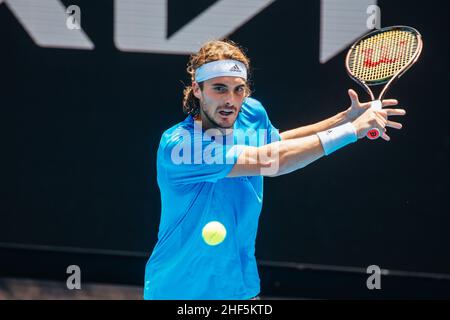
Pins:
x,y
192,166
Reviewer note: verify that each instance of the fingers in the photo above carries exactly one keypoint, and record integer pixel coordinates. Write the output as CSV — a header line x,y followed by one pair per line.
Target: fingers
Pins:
x,y
353,96
395,112
394,124
382,113
379,118
382,119
385,137
378,123
389,102
381,123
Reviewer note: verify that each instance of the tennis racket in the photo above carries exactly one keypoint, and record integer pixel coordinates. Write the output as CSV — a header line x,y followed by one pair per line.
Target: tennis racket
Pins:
x,y
382,56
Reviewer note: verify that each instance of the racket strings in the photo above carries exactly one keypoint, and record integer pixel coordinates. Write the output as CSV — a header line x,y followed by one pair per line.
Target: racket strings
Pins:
x,y
381,56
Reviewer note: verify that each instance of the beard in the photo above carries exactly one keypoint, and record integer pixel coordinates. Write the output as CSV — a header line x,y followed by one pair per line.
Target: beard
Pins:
x,y
210,117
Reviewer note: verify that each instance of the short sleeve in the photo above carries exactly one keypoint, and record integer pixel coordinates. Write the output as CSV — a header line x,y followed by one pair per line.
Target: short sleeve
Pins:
x,y
273,133
262,117
188,158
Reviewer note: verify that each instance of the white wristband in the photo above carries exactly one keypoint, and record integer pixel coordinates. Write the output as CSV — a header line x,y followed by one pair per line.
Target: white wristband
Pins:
x,y
338,137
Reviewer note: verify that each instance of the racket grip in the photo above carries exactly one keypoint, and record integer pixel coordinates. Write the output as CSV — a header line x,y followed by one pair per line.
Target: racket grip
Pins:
x,y
375,133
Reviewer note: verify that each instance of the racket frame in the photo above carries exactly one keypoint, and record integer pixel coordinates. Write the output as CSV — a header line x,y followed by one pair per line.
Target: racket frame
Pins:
x,y
396,75
374,133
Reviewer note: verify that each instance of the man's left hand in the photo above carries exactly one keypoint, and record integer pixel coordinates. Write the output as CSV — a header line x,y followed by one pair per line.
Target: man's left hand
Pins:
x,y
357,108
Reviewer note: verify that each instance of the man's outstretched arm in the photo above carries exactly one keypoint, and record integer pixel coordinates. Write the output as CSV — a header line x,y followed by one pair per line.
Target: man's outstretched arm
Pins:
x,y
285,156
311,129
350,114
278,158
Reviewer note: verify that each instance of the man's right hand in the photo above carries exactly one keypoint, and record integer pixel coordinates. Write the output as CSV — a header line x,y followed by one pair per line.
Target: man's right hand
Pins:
x,y
372,118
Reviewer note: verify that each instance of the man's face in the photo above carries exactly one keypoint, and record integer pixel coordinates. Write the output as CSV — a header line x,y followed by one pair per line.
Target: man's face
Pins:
x,y
220,101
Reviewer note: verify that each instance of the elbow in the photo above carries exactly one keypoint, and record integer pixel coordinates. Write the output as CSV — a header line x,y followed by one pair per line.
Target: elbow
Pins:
x,y
286,164
271,168
275,166
277,160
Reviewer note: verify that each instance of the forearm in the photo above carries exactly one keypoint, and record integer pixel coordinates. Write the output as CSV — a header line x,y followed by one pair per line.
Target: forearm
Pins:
x,y
308,130
297,153
281,157
278,158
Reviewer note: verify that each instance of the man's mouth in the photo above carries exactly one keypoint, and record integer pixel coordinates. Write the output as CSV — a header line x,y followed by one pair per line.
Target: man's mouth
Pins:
x,y
226,113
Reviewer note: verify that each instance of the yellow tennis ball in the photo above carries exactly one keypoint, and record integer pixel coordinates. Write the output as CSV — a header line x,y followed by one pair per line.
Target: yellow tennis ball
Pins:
x,y
214,233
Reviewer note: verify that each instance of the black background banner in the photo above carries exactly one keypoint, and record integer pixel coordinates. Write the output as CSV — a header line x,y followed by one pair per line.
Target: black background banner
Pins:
x,y
80,130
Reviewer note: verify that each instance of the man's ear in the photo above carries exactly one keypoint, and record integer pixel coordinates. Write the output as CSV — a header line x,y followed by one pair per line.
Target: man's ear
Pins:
x,y
196,90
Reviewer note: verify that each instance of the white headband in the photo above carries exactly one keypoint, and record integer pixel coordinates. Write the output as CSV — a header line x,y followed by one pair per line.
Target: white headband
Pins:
x,y
221,68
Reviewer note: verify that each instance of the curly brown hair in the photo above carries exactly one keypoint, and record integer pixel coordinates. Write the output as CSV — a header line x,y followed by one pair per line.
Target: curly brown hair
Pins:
x,y
211,51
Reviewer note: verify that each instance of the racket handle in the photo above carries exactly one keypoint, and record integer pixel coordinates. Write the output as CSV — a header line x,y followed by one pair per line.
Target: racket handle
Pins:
x,y
375,133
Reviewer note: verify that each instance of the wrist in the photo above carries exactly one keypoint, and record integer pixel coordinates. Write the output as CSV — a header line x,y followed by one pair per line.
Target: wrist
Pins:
x,y
337,137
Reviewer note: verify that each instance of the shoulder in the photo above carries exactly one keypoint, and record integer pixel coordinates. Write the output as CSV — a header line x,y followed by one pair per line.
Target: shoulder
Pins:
x,y
253,108
177,134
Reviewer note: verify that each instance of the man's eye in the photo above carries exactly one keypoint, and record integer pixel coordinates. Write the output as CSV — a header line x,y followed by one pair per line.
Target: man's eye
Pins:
x,y
240,89
220,89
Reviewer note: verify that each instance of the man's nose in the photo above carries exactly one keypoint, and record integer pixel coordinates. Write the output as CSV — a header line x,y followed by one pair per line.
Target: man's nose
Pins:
x,y
229,99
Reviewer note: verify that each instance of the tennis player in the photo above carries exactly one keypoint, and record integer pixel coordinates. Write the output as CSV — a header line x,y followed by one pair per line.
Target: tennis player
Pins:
x,y
210,167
